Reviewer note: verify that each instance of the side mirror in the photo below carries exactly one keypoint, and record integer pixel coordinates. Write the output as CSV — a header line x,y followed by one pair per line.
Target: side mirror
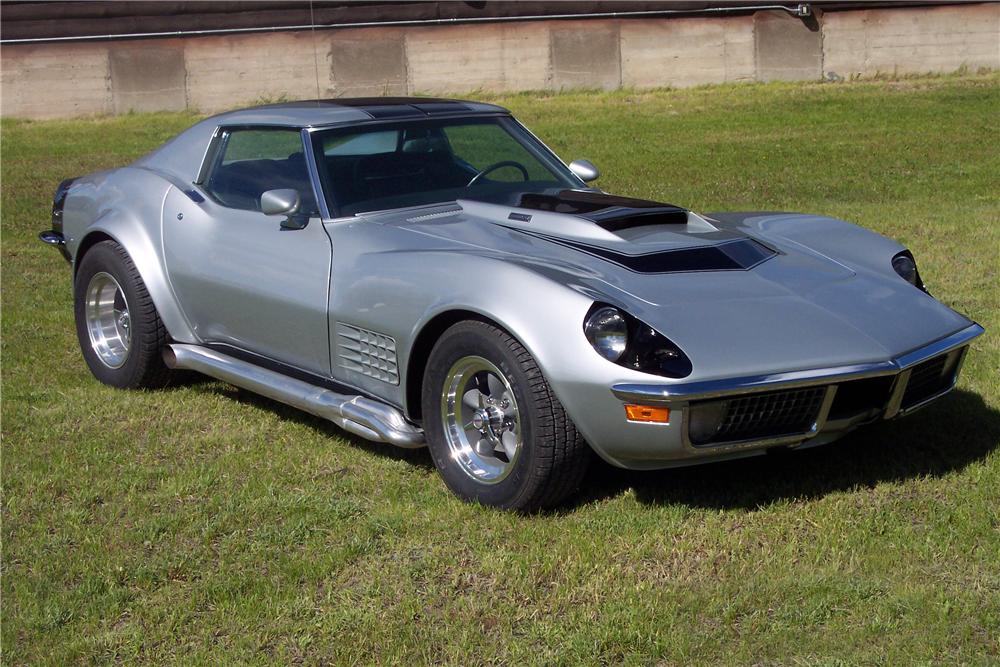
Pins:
x,y
585,169
283,202
279,202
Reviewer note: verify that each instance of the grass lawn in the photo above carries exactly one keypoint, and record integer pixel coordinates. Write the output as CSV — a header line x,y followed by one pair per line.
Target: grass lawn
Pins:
x,y
200,524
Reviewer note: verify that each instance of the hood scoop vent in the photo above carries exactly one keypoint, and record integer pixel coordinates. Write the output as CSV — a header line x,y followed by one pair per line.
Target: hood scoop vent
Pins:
x,y
740,254
610,212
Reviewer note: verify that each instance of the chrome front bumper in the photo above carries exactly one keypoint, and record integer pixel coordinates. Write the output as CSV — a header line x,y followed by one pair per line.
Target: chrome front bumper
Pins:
x,y
56,240
684,398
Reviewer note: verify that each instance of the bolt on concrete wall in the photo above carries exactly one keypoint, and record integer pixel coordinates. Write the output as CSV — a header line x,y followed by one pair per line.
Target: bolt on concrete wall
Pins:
x,y
214,73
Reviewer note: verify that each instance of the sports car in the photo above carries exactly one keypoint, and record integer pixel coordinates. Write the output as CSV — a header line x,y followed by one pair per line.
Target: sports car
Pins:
x,y
427,272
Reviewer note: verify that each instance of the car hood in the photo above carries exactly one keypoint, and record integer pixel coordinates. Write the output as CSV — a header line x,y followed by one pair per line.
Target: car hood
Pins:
x,y
737,300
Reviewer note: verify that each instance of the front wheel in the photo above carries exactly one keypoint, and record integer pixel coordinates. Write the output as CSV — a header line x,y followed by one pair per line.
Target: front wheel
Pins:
x,y
120,332
496,432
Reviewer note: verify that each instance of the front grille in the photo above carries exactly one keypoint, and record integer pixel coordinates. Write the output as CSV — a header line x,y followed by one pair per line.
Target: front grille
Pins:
x,y
857,397
765,415
929,378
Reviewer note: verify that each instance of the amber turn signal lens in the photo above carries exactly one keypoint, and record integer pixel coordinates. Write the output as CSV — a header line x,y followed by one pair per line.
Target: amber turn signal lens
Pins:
x,y
647,413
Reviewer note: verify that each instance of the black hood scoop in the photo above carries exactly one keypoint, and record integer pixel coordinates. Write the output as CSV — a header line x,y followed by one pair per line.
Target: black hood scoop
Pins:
x,y
741,254
718,251
610,212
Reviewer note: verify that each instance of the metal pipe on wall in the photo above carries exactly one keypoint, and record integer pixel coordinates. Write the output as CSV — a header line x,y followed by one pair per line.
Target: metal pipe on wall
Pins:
x,y
802,10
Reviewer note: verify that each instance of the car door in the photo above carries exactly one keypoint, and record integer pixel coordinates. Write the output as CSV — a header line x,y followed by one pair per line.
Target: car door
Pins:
x,y
242,278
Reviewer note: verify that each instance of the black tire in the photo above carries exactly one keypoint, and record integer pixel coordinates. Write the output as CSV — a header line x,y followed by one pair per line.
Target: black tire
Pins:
x,y
143,365
553,457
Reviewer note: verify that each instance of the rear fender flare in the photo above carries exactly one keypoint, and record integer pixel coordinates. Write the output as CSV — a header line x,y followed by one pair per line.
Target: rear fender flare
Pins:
x,y
146,254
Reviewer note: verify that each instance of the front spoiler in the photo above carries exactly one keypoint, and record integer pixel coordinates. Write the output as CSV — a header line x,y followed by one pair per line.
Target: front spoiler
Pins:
x,y
667,394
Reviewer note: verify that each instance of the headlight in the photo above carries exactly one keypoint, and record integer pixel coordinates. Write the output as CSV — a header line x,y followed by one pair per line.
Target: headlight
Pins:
x,y
607,331
628,342
650,351
906,268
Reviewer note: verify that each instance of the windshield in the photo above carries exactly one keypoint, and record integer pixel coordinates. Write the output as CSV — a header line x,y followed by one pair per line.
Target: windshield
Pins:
x,y
423,162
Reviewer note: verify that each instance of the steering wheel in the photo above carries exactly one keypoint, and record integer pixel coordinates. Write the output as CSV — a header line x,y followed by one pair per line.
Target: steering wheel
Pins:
x,y
498,165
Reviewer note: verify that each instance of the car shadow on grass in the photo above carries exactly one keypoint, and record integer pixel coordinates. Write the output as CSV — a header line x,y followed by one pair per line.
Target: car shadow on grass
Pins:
x,y
957,430
419,457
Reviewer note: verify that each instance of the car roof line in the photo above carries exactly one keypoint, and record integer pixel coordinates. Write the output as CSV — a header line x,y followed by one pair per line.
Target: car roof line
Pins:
x,y
401,119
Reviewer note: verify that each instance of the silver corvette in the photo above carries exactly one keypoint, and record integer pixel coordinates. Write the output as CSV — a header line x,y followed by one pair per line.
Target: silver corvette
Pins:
x,y
423,271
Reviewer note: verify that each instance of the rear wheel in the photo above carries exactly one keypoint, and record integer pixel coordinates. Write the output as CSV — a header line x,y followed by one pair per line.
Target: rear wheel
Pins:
x,y
496,432
119,330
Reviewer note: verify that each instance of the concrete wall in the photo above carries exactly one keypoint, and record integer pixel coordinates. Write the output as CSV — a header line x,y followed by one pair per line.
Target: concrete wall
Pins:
x,y
214,73
926,40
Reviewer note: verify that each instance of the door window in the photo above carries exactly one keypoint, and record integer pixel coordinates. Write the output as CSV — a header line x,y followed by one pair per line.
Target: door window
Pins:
x,y
252,161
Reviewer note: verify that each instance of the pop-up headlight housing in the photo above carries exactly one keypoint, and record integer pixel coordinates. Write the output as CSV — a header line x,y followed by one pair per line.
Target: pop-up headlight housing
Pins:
x,y
631,343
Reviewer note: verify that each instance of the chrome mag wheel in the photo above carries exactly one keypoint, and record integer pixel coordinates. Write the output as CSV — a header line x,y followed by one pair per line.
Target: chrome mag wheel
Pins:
x,y
108,321
481,420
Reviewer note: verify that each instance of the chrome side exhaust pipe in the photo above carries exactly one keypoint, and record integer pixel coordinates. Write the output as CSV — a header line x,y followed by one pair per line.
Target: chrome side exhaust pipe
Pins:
x,y
359,415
